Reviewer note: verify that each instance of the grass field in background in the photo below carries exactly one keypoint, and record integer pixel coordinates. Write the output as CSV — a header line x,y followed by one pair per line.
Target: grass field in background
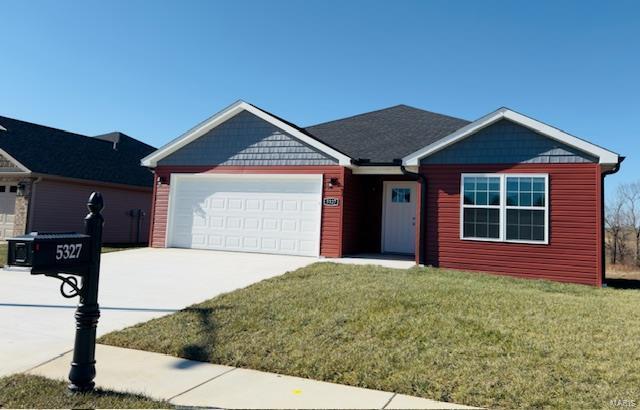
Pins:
x,y
469,338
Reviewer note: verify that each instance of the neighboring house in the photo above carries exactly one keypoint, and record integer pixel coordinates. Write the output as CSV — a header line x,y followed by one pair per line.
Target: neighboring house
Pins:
x,y
47,174
504,194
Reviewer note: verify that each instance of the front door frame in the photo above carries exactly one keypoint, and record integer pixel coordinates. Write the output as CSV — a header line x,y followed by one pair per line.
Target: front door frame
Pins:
x,y
385,188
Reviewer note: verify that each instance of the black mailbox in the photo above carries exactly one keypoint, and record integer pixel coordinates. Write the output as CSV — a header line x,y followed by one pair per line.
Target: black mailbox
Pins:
x,y
51,252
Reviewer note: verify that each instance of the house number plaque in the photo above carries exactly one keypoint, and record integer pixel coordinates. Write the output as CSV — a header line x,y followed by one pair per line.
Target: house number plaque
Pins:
x,y
331,201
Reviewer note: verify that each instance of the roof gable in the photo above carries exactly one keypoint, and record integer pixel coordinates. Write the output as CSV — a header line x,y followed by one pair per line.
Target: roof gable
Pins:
x,y
231,111
604,156
247,140
505,142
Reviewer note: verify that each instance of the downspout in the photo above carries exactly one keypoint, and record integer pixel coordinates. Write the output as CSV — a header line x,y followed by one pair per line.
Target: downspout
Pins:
x,y
603,263
32,197
422,243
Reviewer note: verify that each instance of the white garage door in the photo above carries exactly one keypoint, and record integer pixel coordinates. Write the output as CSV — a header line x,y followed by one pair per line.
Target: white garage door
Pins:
x,y
247,213
7,210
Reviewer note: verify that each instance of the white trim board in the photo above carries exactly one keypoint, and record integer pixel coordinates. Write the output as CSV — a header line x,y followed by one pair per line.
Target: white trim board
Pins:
x,y
604,156
227,113
381,170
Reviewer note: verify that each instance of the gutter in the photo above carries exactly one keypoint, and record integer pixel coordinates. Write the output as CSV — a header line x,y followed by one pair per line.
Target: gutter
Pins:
x,y
603,260
422,243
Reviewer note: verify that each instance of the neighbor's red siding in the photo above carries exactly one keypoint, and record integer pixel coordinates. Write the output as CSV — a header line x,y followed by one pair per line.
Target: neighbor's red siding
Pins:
x,y
331,223
573,252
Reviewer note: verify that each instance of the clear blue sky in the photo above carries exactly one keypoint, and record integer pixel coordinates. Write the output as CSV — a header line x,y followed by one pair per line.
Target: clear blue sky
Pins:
x,y
153,69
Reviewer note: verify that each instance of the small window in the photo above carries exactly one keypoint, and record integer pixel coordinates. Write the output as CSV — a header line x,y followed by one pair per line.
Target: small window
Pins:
x,y
13,188
3,188
401,195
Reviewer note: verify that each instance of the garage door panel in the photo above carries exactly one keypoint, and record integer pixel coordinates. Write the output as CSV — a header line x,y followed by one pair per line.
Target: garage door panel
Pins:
x,y
310,206
268,216
216,222
271,205
216,241
270,224
254,205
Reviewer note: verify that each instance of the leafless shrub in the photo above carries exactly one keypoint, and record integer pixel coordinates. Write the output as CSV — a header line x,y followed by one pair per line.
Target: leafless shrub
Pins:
x,y
631,214
616,221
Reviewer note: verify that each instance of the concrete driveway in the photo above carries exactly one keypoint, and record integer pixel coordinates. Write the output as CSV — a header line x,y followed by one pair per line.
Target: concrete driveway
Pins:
x,y
37,323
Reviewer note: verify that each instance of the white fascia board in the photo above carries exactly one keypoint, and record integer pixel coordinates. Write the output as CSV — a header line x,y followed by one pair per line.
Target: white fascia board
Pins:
x,y
604,156
2,128
380,170
227,113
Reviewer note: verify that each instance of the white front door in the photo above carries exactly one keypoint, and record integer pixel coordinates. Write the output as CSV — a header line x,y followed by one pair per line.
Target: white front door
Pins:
x,y
248,213
399,217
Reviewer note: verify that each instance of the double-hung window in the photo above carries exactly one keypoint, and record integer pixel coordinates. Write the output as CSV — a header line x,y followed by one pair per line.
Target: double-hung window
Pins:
x,y
481,207
505,207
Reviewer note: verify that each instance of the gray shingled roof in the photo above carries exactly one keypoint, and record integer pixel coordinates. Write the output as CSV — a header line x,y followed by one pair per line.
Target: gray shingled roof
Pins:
x,y
384,135
53,151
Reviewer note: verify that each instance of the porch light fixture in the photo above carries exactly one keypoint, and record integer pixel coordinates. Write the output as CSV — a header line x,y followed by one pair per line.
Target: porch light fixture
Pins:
x,y
21,189
333,182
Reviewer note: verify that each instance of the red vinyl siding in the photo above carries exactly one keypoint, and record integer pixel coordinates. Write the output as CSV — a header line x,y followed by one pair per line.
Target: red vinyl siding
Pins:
x,y
574,248
331,223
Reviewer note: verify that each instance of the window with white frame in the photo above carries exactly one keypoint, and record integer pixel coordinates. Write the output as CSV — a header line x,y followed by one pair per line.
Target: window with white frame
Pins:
x,y
481,207
505,207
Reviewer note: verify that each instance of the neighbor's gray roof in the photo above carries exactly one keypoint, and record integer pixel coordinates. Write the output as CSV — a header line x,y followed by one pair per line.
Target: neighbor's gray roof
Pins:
x,y
53,151
384,135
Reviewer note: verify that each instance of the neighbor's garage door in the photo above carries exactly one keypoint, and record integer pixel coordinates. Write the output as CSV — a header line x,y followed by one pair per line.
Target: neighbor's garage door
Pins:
x,y
247,213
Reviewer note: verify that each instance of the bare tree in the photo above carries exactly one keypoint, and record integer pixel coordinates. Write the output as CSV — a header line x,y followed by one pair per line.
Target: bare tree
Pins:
x,y
615,223
631,196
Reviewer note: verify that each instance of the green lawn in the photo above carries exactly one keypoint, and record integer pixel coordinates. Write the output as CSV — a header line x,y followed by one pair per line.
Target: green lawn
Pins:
x,y
468,338
105,249
24,391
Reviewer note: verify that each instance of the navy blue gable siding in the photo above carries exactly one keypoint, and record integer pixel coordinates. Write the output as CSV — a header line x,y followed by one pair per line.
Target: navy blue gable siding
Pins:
x,y
247,140
506,142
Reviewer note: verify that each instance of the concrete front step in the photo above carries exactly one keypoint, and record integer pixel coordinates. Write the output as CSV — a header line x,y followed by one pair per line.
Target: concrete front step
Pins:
x,y
191,383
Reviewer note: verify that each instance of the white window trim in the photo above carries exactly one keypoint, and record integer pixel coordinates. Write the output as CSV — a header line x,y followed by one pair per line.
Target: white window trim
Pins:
x,y
503,207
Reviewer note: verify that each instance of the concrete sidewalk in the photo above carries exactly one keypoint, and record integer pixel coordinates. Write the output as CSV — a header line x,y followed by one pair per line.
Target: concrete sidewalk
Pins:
x,y
190,383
